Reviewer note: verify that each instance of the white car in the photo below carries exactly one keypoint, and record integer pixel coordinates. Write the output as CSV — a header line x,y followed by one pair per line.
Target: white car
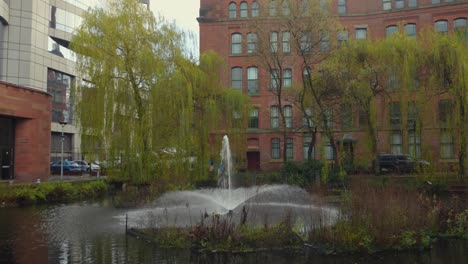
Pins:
x,y
93,166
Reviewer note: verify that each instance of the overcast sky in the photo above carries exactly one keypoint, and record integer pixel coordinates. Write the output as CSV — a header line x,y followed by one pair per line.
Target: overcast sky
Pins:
x,y
183,12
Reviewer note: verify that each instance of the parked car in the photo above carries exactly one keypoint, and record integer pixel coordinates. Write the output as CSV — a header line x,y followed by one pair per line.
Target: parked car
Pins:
x,y
94,166
83,164
399,163
67,166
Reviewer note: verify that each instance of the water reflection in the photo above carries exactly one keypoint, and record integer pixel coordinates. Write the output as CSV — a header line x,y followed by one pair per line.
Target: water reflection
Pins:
x,y
95,233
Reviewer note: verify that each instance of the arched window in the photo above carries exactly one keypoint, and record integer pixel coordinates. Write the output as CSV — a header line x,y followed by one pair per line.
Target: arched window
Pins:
x,y
410,30
390,30
244,10
285,8
441,26
341,7
459,26
232,10
272,7
236,43
255,8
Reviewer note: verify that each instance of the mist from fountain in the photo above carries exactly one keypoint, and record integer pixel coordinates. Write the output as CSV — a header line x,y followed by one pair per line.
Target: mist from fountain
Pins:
x,y
225,167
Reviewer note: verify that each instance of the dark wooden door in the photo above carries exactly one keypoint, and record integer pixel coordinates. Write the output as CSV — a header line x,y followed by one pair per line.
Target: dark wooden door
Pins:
x,y
253,161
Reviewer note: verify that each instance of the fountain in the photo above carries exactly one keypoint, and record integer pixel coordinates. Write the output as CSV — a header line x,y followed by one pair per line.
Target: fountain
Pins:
x,y
267,203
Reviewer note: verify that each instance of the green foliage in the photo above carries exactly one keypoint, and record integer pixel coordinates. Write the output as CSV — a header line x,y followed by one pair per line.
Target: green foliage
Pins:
x,y
148,107
458,224
302,174
50,192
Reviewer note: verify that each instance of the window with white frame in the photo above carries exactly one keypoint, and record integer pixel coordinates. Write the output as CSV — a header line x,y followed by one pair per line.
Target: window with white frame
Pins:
x,y
236,44
395,115
232,10
288,116
236,78
252,80
324,41
414,144
274,116
307,119
327,148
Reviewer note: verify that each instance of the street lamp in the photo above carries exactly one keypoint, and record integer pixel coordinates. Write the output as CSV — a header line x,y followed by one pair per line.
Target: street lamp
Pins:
x,y
62,123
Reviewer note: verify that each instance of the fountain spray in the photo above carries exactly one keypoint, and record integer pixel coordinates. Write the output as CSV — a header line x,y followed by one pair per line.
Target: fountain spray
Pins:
x,y
225,171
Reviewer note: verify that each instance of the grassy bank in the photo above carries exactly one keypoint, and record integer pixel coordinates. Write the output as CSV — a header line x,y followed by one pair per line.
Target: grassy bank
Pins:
x,y
51,192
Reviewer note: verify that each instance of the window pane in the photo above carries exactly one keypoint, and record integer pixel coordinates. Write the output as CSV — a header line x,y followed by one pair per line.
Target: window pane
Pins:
x,y
252,43
253,118
410,30
275,148
341,7
236,77
342,37
232,10
274,42
274,114
285,8
243,10
286,42
441,26
287,78
395,115
460,28
307,139
272,8
288,116
396,144
387,4
236,43
390,30
306,42
412,3
274,79
252,80
289,149
361,33
255,11
399,3
59,85
446,145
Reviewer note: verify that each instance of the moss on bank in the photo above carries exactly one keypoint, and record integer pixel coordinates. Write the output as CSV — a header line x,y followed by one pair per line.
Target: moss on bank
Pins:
x,y
52,192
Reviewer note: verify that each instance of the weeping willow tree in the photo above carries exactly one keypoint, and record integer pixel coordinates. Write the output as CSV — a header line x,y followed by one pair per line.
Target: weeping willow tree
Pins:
x,y
145,107
446,61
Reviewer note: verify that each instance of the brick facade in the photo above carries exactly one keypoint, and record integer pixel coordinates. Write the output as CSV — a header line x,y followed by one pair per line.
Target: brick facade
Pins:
x,y
215,34
30,110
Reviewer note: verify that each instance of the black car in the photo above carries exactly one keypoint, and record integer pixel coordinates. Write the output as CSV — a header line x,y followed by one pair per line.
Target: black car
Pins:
x,y
399,163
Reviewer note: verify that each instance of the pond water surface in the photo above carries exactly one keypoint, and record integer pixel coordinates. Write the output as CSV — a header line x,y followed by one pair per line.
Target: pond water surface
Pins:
x,y
95,233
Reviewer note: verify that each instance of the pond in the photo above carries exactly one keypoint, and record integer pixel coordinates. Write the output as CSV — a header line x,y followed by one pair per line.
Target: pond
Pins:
x,y
95,233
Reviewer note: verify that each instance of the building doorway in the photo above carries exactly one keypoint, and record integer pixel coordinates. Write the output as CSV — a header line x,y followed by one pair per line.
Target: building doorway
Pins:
x,y
253,161
6,148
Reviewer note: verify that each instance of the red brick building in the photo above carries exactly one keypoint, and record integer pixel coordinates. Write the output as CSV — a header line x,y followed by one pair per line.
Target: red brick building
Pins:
x,y
224,28
25,119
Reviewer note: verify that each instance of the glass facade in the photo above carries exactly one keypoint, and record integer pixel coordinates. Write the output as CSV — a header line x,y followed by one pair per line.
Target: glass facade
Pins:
x,y
61,51
59,85
64,20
